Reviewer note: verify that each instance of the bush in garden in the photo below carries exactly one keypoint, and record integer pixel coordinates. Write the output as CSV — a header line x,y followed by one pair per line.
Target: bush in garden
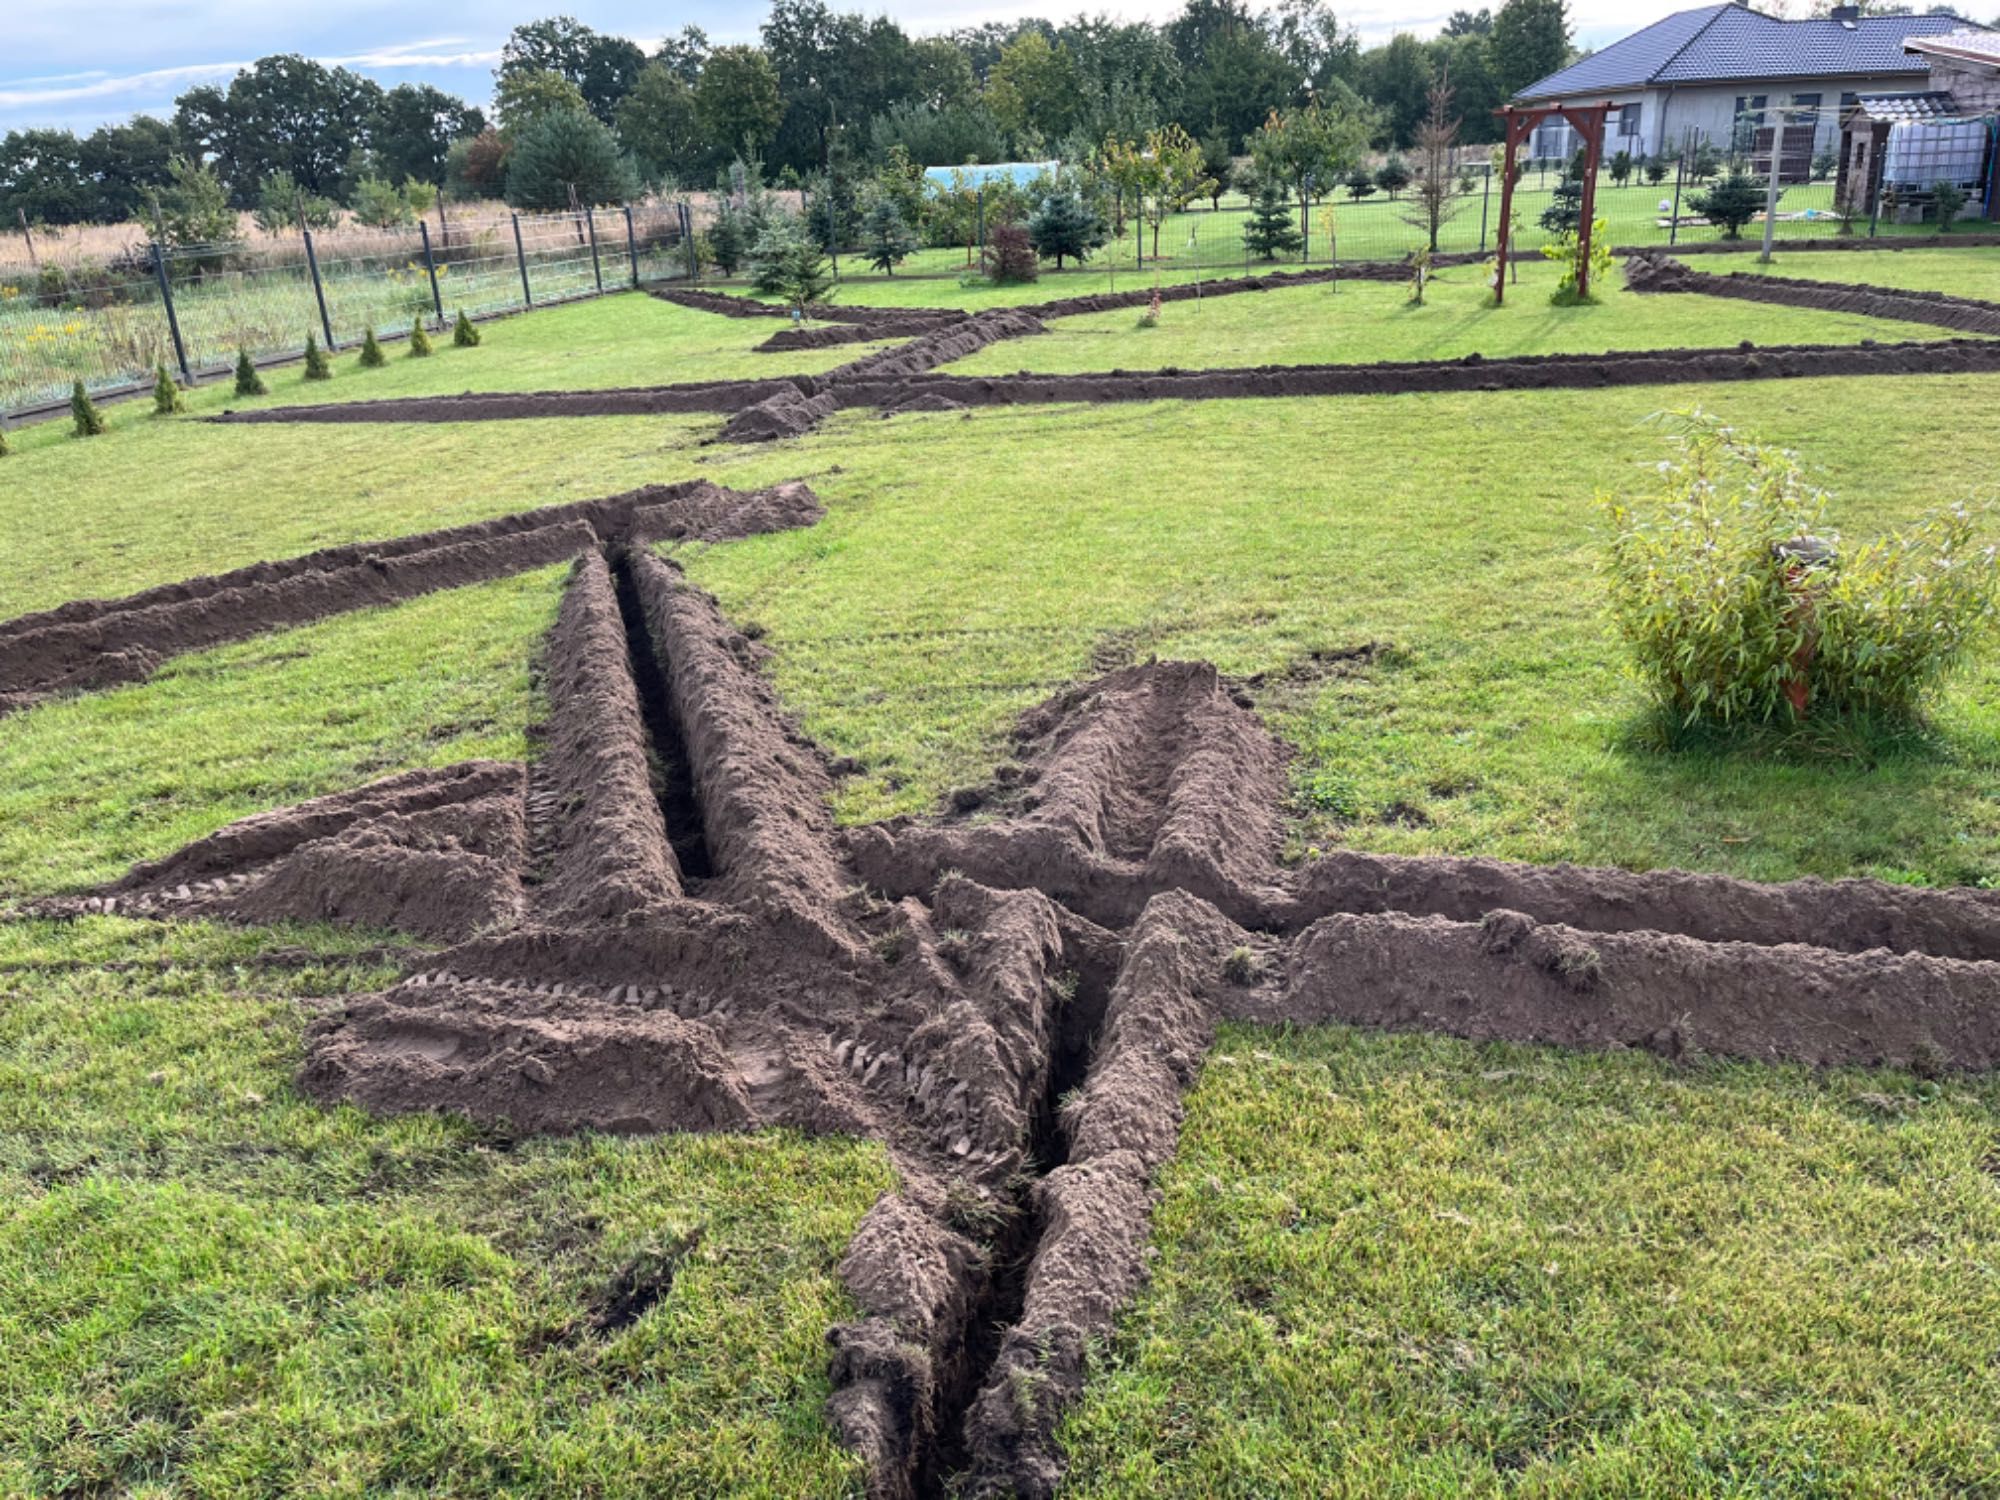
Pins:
x,y
889,238
1739,608
1568,250
463,334
1392,176
1732,202
1065,227
372,357
1823,163
1656,170
318,367
1009,258
1269,232
248,381
1360,183
1565,208
84,415
167,398
1950,200
420,341
780,235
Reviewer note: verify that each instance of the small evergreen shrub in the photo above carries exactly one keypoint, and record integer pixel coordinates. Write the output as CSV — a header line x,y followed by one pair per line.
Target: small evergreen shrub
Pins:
x,y
248,381
167,398
318,366
83,412
420,341
1950,200
463,334
1269,231
1739,608
1732,202
372,357
1360,183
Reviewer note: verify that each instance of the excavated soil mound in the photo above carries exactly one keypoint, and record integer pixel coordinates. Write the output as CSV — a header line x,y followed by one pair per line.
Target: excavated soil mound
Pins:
x,y
816,338
96,643
788,413
1472,372
1661,273
658,928
924,402
629,401
955,341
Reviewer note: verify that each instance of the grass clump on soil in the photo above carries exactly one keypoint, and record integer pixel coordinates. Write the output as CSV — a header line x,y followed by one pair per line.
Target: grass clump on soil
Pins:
x,y
1739,606
248,381
420,340
85,419
317,365
372,357
210,1286
1403,1266
89,785
463,334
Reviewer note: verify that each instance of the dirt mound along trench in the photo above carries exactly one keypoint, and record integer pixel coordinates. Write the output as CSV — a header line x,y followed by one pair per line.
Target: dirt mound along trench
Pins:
x,y
1663,273
953,342
97,643
787,413
629,401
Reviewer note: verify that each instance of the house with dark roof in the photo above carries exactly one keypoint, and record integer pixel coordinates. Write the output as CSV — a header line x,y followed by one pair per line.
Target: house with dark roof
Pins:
x,y
1707,74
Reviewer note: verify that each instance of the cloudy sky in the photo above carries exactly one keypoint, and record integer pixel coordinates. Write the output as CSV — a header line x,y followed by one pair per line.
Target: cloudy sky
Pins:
x,y
78,63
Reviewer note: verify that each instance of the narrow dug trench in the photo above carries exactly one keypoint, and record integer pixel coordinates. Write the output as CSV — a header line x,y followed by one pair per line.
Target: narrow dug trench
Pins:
x,y
667,758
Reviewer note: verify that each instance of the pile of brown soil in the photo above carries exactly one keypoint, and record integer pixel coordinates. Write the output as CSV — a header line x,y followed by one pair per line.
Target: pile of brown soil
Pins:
x,y
816,338
787,413
953,342
1663,273
507,406
97,643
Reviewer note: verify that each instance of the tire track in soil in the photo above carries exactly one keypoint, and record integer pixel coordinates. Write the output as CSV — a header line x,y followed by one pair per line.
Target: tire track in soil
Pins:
x,y
1013,999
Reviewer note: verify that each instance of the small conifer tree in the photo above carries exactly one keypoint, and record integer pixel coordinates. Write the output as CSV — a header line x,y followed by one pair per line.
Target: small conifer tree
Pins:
x,y
83,412
167,398
248,381
463,334
372,357
890,239
1269,233
420,341
1010,255
318,367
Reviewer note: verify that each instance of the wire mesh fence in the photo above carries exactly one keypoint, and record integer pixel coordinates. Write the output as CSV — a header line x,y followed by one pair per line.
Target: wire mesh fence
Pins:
x,y
192,308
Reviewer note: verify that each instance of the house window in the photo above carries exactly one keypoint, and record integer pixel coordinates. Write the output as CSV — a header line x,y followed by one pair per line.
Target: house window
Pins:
x,y
1804,105
1751,107
1629,118
1552,141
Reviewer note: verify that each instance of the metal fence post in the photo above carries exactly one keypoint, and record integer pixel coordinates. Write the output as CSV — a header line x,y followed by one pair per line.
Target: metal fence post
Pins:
x,y
979,217
632,244
1680,176
687,238
521,255
596,265
430,265
319,290
173,319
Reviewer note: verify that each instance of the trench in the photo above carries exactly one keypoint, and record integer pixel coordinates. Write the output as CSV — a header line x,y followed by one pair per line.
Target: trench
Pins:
x,y
667,762
949,1459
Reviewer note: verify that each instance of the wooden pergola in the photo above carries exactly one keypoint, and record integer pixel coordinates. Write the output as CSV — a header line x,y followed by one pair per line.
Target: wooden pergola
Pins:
x,y
1588,121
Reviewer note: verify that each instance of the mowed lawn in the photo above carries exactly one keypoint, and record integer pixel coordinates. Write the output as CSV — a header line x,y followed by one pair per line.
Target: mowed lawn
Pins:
x,y
1359,321
1408,1266
1971,271
209,1286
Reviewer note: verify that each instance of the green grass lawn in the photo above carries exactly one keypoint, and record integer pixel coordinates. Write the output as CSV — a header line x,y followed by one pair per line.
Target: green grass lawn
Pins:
x,y
93,783
1406,1266
1973,271
210,1287
1370,320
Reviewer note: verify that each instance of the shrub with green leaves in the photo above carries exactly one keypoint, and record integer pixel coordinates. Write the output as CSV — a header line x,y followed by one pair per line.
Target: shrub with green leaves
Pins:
x,y
1949,199
463,334
1739,607
167,397
1567,250
84,415
248,381
420,341
372,357
318,366
1732,202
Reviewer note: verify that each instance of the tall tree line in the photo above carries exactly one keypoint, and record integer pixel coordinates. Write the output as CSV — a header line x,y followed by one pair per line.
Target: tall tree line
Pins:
x,y
582,116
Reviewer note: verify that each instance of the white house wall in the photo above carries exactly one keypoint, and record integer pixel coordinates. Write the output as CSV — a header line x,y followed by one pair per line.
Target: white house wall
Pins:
x,y
1668,115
